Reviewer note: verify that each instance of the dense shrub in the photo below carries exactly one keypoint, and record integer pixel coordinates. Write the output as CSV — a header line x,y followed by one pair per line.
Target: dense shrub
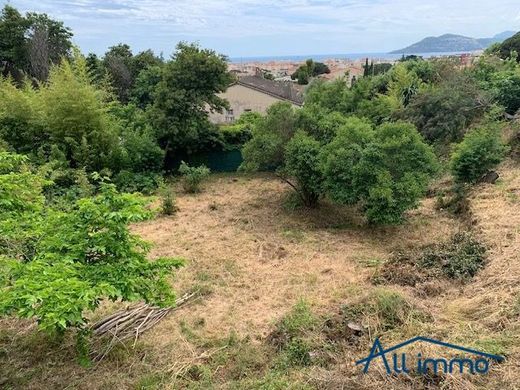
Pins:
x,y
81,257
302,163
237,134
340,158
480,151
21,206
386,170
192,177
443,113
145,183
168,203
266,150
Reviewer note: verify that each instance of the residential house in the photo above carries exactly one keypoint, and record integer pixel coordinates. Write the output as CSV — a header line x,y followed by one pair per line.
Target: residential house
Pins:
x,y
257,94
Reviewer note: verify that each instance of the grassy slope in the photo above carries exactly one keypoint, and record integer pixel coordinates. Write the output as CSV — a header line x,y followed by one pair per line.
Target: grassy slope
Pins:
x,y
257,260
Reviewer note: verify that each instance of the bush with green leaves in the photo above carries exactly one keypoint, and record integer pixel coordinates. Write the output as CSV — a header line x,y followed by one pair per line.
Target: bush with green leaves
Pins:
x,y
192,177
443,112
266,149
81,256
21,205
480,150
386,170
143,182
168,202
302,163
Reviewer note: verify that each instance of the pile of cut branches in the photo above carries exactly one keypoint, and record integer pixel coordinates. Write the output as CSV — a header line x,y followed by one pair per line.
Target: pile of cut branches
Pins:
x,y
134,321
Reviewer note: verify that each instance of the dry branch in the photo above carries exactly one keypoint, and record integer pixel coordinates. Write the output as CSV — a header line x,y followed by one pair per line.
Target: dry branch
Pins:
x,y
134,321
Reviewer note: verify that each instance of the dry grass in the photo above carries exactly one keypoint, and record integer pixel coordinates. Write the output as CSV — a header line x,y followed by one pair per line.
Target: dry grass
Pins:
x,y
256,259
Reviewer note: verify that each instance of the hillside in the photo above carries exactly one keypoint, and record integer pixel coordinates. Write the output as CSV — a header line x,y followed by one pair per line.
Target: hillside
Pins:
x,y
256,260
452,43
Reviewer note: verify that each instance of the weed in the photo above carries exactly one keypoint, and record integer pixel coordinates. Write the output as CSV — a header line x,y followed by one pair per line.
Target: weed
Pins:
x,y
168,206
297,353
459,258
299,320
192,177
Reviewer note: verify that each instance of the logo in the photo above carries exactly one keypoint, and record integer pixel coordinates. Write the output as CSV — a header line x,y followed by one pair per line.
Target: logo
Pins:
x,y
398,363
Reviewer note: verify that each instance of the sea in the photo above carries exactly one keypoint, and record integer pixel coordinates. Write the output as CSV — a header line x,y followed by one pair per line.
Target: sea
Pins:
x,y
350,56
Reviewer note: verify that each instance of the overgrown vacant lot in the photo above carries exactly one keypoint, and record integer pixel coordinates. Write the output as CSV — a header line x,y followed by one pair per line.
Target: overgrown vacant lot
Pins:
x,y
279,286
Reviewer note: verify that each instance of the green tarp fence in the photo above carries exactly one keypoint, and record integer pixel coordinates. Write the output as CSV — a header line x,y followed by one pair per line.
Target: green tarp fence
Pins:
x,y
217,161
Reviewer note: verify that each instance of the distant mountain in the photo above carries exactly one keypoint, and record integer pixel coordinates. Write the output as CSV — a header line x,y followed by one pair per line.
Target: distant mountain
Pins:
x,y
452,43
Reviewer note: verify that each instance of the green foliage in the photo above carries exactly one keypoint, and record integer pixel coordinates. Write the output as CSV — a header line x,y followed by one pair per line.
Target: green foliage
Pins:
x,y
266,150
404,84
21,206
168,203
509,46
386,170
188,89
459,258
302,163
21,120
442,113
481,150
192,177
140,151
31,43
145,182
83,256
67,113
506,90
240,131
308,70
341,157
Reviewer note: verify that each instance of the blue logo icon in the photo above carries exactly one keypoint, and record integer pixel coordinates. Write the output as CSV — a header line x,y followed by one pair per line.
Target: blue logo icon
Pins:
x,y
397,363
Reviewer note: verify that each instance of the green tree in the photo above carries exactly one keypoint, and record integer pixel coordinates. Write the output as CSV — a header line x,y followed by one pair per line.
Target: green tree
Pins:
x,y
340,159
509,46
49,42
77,118
442,113
308,70
480,150
13,41
190,85
117,62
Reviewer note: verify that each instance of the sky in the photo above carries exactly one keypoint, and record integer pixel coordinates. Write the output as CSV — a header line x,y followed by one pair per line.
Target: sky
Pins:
x,y
247,28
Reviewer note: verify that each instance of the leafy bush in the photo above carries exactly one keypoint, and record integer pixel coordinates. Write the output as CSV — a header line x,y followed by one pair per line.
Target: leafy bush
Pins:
x,y
480,151
145,183
341,157
192,177
386,170
83,256
239,132
442,113
459,258
266,150
21,206
302,163
168,205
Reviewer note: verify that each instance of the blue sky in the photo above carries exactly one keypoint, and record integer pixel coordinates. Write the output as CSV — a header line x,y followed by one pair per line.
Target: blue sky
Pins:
x,y
241,28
